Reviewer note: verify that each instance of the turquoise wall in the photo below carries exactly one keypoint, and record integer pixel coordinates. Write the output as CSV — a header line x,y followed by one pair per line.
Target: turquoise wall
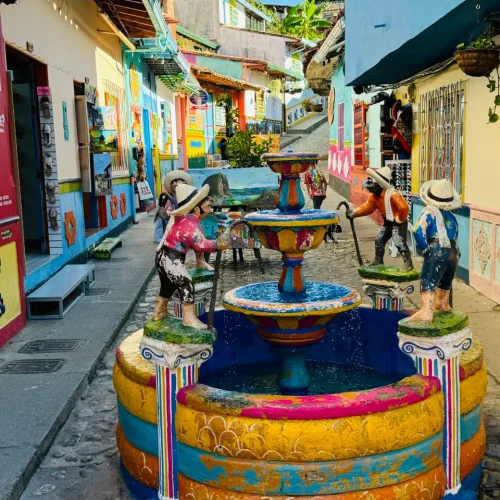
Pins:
x,y
74,202
342,94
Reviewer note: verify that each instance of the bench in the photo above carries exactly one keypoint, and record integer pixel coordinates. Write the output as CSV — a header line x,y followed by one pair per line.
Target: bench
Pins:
x,y
103,251
55,298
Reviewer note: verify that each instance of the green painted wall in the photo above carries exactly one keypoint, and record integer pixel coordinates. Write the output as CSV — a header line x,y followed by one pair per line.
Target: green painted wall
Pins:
x,y
233,69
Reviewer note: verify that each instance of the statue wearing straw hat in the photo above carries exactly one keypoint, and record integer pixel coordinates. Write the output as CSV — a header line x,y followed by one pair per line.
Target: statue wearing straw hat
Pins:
x,y
171,181
393,208
436,234
183,232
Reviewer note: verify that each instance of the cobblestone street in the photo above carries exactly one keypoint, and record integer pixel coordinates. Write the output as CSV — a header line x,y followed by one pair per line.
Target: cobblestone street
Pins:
x,y
83,462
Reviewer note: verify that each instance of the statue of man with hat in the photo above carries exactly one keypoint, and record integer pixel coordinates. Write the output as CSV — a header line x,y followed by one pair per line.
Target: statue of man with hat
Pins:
x,y
436,234
393,208
183,232
171,181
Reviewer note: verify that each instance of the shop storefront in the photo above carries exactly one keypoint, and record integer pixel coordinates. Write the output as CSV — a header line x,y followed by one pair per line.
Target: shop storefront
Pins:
x,y
12,308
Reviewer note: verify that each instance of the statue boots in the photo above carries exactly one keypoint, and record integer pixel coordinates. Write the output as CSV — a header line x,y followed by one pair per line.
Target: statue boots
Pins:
x,y
442,302
160,310
407,262
379,257
189,317
426,313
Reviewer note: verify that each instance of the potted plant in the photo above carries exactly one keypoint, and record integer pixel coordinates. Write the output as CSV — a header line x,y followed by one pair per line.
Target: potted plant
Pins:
x,y
317,107
479,58
307,105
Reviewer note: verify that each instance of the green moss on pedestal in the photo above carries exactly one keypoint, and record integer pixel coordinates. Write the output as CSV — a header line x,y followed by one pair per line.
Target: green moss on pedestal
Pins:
x,y
388,273
170,329
444,323
201,275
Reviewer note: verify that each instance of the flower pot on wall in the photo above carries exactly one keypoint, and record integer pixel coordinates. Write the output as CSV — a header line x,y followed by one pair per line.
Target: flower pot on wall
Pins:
x,y
477,62
307,106
317,108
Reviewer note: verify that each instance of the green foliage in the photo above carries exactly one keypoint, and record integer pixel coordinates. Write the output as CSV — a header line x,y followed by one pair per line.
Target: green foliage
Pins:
x,y
232,114
305,20
494,84
244,151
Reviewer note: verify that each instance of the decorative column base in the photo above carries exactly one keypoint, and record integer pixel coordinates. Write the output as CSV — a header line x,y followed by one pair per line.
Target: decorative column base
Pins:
x,y
435,349
177,351
385,285
203,285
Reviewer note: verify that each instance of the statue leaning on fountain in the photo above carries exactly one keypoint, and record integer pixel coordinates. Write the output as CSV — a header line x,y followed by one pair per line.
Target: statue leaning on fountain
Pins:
x,y
183,232
436,234
393,208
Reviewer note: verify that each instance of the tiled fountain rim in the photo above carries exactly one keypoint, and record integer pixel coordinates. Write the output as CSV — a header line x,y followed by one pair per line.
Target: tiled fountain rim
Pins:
x,y
409,390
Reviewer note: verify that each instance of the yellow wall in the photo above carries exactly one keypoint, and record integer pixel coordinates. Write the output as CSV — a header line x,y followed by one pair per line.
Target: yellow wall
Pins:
x,y
481,140
70,54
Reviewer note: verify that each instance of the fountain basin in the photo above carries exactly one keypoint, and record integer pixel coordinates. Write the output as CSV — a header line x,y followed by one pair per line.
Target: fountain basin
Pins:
x,y
320,435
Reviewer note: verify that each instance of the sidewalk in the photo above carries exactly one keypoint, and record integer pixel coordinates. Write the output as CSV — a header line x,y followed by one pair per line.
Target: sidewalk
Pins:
x,y
34,407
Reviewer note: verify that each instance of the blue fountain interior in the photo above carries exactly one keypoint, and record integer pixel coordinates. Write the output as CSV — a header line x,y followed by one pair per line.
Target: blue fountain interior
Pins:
x,y
359,351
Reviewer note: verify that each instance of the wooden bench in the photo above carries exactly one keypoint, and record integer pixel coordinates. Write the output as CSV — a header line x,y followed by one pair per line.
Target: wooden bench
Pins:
x,y
103,251
55,298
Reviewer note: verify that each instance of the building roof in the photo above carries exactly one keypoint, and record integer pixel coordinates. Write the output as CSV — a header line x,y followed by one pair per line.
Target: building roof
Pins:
x,y
255,10
211,77
192,36
332,42
255,64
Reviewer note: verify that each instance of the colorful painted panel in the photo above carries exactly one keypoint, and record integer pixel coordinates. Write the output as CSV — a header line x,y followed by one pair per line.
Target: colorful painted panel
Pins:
x,y
238,186
102,174
340,162
10,293
481,240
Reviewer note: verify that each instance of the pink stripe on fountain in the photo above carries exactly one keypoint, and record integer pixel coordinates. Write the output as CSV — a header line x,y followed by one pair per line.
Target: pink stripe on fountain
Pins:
x,y
408,391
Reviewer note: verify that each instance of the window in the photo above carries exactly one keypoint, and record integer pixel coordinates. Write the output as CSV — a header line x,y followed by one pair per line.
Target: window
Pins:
x,y
115,96
253,23
340,134
442,135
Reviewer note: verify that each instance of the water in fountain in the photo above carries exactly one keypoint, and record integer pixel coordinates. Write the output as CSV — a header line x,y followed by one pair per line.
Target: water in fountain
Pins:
x,y
291,315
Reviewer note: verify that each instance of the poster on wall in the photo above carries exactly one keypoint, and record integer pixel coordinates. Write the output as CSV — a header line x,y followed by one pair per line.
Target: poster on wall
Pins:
x,y
8,206
144,191
135,83
103,181
250,105
274,109
137,134
220,116
103,129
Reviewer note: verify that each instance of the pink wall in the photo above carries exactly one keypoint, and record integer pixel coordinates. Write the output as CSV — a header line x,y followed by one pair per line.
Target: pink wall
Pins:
x,y
339,163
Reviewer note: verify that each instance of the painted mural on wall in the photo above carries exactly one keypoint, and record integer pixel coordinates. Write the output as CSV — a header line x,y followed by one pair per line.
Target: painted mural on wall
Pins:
x,y
238,186
339,161
103,129
102,174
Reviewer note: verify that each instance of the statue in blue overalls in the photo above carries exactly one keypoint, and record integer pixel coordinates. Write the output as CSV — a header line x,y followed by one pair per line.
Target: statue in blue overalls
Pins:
x,y
436,234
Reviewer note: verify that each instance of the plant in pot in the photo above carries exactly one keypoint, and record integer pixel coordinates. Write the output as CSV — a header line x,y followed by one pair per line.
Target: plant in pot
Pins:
x,y
307,105
317,106
244,150
479,58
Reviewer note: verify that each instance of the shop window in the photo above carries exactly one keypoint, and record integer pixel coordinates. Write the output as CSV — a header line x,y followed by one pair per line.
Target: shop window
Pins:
x,y
115,96
340,133
442,135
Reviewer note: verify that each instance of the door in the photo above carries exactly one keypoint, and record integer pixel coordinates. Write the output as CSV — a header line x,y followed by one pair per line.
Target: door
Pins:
x,y
148,156
31,176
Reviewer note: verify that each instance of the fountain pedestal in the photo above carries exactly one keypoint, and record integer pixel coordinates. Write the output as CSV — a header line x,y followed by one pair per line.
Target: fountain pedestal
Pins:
x,y
435,349
177,351
385,285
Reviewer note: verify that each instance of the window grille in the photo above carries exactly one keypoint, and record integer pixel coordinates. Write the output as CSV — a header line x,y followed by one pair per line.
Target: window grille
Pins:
x,y
115,96
442,135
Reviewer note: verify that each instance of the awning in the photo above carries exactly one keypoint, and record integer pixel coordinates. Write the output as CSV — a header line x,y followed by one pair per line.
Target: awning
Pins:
x,y
134,18
193,36
274,69
205,75
173,72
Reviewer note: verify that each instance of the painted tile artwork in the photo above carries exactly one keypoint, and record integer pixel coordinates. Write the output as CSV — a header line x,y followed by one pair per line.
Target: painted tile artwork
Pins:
x,y
482,238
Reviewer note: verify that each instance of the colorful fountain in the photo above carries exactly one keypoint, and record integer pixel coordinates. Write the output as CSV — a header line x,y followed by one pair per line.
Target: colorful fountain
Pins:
x,y
291,314
377,409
